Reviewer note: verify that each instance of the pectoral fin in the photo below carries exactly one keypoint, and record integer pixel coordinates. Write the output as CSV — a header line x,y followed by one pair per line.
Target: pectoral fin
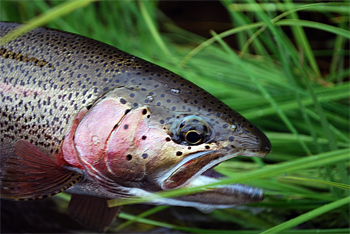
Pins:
x,y
33,175
92,212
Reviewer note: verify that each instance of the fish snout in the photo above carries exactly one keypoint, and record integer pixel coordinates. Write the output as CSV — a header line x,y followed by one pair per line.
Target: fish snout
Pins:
x,y
253,142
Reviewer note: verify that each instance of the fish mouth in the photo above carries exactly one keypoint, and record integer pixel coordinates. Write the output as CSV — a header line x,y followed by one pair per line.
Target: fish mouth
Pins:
x,y
198,169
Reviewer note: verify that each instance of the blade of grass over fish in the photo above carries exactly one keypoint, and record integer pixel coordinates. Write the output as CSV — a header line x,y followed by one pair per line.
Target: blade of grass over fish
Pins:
x,y
309,215
57,22
330,183
319,160
56,12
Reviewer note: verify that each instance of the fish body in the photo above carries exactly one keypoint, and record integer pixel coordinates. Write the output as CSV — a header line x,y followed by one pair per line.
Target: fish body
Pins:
x,y
81,115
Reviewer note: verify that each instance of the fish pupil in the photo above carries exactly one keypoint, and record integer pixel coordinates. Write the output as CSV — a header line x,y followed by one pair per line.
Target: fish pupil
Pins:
x,y
193,137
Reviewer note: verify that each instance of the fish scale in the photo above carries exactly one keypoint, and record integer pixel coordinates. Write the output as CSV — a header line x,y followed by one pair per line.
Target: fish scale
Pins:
x,y
125,125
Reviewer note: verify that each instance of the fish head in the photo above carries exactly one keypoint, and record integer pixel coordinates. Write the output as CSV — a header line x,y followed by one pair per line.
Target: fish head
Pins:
x,y
178,145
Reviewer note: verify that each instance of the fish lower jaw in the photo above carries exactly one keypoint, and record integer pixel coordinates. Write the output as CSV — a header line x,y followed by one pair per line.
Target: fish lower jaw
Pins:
x,y
194,169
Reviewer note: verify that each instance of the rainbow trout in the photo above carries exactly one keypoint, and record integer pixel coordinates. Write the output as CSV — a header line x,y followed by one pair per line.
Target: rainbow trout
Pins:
x,y
82,116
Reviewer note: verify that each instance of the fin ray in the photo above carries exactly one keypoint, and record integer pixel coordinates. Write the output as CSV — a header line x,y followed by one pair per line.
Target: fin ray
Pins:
x,y
92,212
33,175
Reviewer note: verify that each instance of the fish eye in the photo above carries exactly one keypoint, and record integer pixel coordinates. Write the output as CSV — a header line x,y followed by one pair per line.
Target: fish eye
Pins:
x,y
193,137
191,130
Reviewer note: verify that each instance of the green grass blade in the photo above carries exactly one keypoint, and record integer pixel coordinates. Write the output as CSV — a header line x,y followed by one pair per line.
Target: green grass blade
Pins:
x,y
143,215
307,216
302,42
264,92
152,28
317,25
330,183
53,13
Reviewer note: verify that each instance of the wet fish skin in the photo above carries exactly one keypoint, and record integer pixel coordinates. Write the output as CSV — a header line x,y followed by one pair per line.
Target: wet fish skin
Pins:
x,y
52,83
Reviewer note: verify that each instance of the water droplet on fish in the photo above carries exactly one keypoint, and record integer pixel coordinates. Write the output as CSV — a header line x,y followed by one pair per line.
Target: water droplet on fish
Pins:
x,y
175,90
233,127
95,140
150,98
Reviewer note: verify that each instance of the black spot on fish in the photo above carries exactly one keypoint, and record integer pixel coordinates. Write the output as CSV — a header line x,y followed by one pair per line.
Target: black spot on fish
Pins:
x,y
207,147
178,153
129,157
126,126
122,101
144,156
144,111
144,137
231,138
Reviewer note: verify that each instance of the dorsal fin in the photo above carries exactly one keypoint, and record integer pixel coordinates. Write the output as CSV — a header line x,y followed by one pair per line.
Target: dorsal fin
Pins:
x,y
33,175
92,212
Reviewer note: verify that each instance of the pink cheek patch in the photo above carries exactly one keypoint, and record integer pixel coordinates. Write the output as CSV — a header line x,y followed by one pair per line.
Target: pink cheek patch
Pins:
x,y
94,130
127,150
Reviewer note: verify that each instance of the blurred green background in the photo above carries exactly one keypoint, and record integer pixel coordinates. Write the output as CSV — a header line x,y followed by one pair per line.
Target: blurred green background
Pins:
x,y
283,65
